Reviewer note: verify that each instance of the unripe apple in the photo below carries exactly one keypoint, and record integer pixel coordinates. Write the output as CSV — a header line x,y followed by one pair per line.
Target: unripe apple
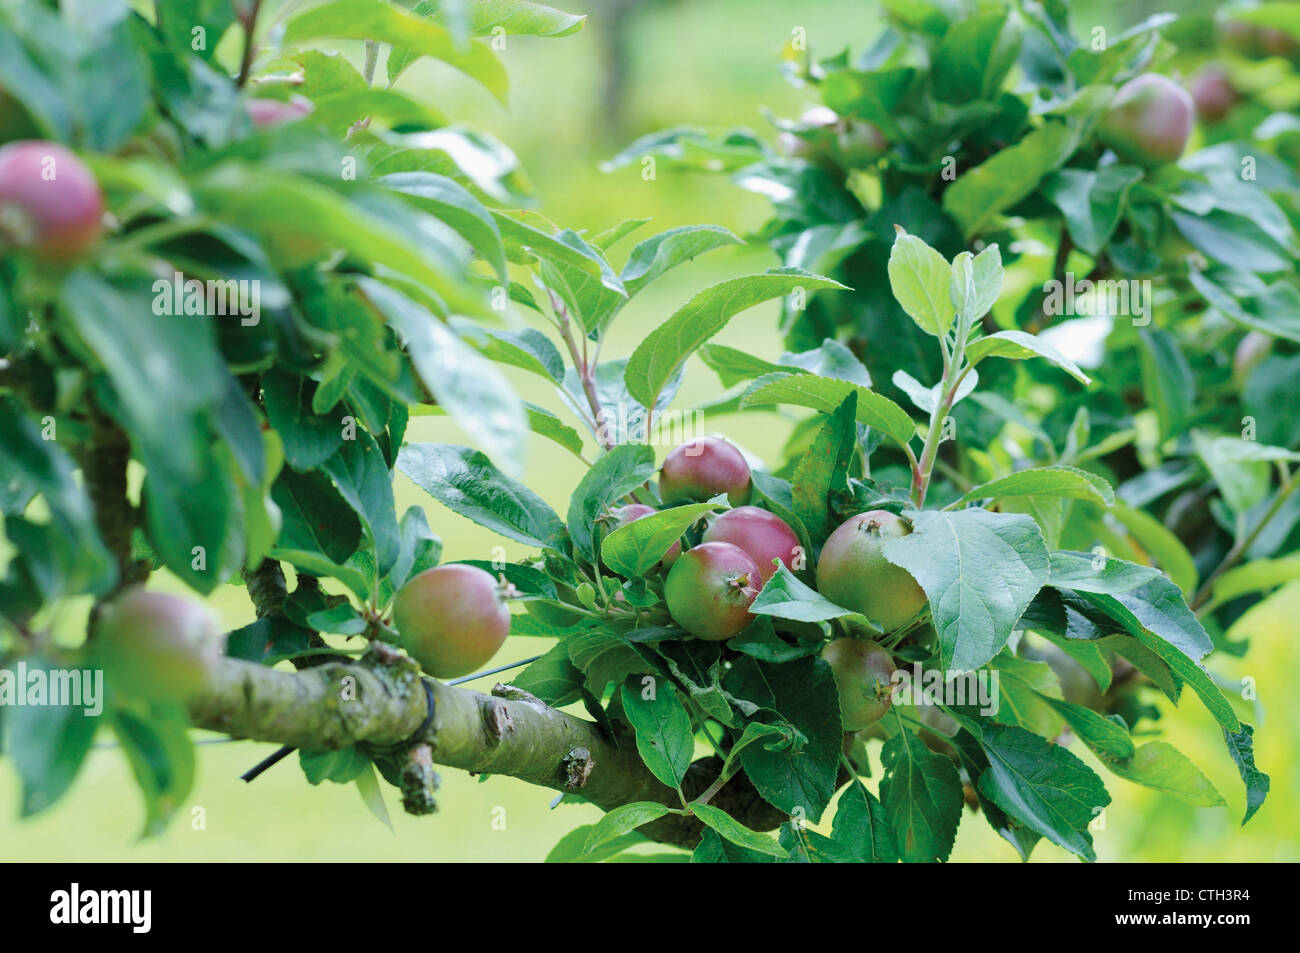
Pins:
x,y
854,573
709,590
266,113
635,511
763,535
1213,94
49,200
863,677
452,619
1149,120
860,143
703,468
156,645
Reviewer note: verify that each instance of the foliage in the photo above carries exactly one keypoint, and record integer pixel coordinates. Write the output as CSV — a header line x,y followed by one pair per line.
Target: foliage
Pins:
x,y
1061,523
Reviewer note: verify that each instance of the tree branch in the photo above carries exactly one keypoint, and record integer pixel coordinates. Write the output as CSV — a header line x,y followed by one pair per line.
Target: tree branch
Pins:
x,y
509,732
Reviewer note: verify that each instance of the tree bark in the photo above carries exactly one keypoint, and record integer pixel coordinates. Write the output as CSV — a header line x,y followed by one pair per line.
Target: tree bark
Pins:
x,y
509,732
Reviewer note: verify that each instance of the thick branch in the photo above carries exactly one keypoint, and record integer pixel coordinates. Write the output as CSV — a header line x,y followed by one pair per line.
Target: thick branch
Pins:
x,y
509,732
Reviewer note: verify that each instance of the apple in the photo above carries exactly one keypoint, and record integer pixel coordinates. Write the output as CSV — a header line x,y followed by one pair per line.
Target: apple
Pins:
x,y
49,200
854,573
702,469
709,590
452,619
763,535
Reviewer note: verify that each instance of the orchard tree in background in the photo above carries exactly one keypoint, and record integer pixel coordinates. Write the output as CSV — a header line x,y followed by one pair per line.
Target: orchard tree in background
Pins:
x,y
295,255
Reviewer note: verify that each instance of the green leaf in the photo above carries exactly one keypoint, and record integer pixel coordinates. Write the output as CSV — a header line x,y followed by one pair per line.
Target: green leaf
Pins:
x,y
299,219
453,204
659,358
1019,346
861,825
315,517
572,847
342,766
1241,468
921,796
825,394
806,846
620,471
920,278
1256,576
1043,481
526,348
733,831
622,819
1167,380
48,743
803,691
532,235
984,192
1241,745
157,744
419,548
980,570
974,57
473,392
1160,543
785,597
361,474
553,678
1043,785
1091,201
386,23
467,482
823,469
634,549
713,849
546,424
664,736
976,283
654,256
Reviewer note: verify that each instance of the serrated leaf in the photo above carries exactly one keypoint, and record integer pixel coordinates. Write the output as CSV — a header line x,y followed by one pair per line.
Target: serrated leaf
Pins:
x,y
1043,481
732,830
861,825
664,736
1019,346
922,798
824,468
616,474
659,357
621,820
920,278
980,571
827,393
785,597
634,548
466,482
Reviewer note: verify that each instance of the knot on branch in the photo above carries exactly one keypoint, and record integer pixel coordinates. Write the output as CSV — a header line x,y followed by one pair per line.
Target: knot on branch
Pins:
x,y
419,781
577,766
496,719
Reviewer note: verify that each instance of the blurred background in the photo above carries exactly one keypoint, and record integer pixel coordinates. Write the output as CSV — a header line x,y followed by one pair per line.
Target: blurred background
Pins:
x,y
640,66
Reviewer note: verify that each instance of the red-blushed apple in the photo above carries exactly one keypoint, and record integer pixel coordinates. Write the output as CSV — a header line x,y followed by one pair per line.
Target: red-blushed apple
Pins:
x,y
709,590
50,202
1149,120
156,645
703,468
452,619
1213,93
853,572
763,535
